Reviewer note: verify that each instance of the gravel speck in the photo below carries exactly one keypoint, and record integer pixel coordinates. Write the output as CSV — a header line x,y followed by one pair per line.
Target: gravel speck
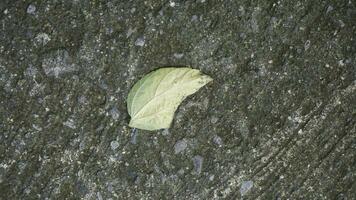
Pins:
x,y
329,9
178,55
31,71
70,123
217,140
172,3
198,163
165,132
306,45
114,145
114,112
133,136
180,146
194,18
140,41
98,196
42,39
31,9
130,31
214,119
245,187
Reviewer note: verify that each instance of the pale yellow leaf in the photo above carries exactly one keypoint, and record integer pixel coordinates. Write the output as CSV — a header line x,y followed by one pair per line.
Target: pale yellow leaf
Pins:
x,y
153,100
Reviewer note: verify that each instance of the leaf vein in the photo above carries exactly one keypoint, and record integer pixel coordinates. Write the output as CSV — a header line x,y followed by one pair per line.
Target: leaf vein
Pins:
x,y
133,98
155,97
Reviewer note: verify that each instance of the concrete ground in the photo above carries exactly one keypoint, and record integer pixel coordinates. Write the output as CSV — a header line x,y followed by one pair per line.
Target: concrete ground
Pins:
x,y
277,122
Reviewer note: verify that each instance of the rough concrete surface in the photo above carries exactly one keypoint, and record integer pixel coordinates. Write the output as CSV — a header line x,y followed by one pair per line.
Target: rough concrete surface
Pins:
x,y
278,122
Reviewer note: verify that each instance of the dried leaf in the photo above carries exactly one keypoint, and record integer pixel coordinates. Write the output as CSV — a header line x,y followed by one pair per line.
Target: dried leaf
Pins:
x,y
153,100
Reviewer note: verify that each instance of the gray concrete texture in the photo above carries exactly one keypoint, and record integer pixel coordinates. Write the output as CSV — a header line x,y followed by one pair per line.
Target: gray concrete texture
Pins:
x,y
278,122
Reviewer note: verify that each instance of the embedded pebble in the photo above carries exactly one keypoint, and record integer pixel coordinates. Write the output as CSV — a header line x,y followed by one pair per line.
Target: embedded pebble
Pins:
x,y
178,55
31,9
329,9
306,45
31,71
180,146
114,112
114,145
130,31
70,123
133,139
99,196
217,140
198,163
214,119
165,132
42,39
245,187
172,3
140,41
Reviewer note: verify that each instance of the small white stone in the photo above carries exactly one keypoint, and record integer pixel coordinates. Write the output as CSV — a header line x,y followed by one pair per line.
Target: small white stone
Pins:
x,y
181,171
180,146
27,191
31,9
245,187
165,131
178,55
114,112
172,3
98,196
31,71
307,45
341,63
140,41
329,9
194,18
130,31
198,163
36,127
42,38
134,134
70,123
214,119
114,145
217,140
